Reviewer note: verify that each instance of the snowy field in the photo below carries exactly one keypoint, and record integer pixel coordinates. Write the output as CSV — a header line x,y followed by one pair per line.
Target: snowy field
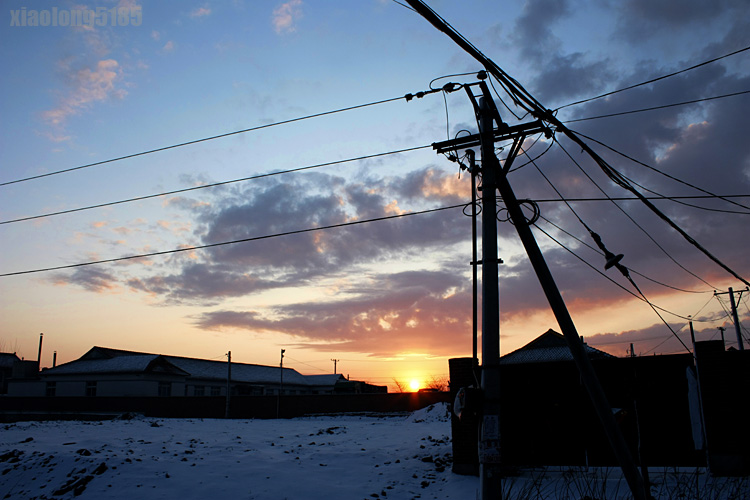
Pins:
x,y
331,458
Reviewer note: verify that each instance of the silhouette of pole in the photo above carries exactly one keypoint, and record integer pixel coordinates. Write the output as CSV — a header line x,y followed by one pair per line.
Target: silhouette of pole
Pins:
x,y
737,326
489,442
229,382
281,384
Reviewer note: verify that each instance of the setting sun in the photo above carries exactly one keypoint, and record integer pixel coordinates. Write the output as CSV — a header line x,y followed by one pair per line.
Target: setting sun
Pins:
x,y
414,384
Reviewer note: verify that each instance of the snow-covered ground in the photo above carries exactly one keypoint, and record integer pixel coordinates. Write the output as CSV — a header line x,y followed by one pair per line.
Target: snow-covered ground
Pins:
x,y
332,457
340,457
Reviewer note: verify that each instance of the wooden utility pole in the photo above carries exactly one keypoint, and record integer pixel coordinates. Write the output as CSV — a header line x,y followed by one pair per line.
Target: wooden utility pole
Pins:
x,y
281,384
334,365
229,383
495,179
735,317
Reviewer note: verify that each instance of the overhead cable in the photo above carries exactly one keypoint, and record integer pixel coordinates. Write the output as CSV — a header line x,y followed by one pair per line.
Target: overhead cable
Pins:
x,y
225,243
654,169
652,108
204,139
215,184
655,79
524,99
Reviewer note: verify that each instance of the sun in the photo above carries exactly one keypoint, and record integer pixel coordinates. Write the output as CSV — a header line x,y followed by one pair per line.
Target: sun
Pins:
x,y
414,385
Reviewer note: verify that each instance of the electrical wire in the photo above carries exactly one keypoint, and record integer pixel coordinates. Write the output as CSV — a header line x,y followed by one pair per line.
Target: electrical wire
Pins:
x,y
204,139
631,269
215,184
448,76
655,79
654,169
631,218
708,209
603,274
225,243
524,99
653,108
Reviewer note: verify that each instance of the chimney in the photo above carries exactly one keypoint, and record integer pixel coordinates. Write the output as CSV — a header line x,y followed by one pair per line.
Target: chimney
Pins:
x,y
39,355
54,359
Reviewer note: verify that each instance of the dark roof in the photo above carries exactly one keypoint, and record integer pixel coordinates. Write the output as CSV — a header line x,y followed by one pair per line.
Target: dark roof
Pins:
x,y
548,347
138,363
7,359
107,360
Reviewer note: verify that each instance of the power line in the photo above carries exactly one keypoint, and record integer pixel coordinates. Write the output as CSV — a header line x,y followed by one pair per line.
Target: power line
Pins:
x,y
224,243
215,184
621,113
196,141
654,169
631,269
640,197
604,275
655,79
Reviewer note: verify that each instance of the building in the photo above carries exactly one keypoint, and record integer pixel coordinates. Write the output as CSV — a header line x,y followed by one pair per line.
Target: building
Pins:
x,y
117,373
549,347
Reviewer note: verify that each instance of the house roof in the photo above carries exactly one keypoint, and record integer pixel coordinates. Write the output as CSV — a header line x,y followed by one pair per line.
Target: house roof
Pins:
x,y
107,360
142,363
548,347
7,359
325,380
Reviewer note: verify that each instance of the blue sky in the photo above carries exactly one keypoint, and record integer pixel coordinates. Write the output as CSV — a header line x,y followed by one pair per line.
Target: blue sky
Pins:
x,y
392,298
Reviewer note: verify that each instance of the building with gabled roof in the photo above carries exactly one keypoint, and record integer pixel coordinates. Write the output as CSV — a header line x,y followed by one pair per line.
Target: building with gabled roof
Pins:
x,y
548,347
103,371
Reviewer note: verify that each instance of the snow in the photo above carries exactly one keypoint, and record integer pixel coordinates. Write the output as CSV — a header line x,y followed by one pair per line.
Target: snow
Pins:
x,y
333,457
325,457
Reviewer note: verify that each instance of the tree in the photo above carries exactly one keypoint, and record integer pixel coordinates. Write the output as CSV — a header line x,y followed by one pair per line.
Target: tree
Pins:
x,y
438,383
400,386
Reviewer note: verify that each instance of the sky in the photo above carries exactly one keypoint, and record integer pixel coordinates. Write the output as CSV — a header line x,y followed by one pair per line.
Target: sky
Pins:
x,y
389,299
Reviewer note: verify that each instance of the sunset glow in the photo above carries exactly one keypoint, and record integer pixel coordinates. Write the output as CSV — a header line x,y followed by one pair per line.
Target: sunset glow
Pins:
x,y
290,117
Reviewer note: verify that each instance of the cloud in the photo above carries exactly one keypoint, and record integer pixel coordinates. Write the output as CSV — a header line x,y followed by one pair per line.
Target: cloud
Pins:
x,y
169,46
286,15
200,12
92,279
91,85
422,311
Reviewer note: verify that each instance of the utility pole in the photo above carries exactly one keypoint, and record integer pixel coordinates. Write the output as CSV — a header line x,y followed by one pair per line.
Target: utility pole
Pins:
x,y
736,319
281,384
474,263
721,329
334,365
229,382
489,441
496,179
39,354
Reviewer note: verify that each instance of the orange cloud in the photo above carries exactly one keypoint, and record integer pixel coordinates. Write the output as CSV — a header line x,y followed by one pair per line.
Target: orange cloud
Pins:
x,y
91,86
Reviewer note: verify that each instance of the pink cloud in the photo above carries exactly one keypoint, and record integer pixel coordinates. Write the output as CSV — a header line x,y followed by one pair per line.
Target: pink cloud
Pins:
x,y
200,12
91,86
285,16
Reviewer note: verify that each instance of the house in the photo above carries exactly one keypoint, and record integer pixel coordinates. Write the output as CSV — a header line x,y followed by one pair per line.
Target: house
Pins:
x,y
7,360
548,347
118,373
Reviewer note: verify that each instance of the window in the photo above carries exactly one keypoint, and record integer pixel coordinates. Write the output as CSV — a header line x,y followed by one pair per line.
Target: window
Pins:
x,y
51,389
165,389
199,390
216,391
90,389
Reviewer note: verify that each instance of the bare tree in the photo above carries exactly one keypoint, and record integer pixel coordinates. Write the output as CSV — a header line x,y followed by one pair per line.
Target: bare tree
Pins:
x,y
400,386
438,383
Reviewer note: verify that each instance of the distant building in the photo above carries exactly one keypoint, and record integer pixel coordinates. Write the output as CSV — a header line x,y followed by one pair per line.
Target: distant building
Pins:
x,y
112,372
548,347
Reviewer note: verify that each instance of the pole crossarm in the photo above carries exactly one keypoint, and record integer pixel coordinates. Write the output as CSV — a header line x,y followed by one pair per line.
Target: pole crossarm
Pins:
x,y
499,134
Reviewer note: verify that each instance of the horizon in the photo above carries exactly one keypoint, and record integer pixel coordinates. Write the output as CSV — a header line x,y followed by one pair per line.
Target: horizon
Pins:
x,y
386,299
